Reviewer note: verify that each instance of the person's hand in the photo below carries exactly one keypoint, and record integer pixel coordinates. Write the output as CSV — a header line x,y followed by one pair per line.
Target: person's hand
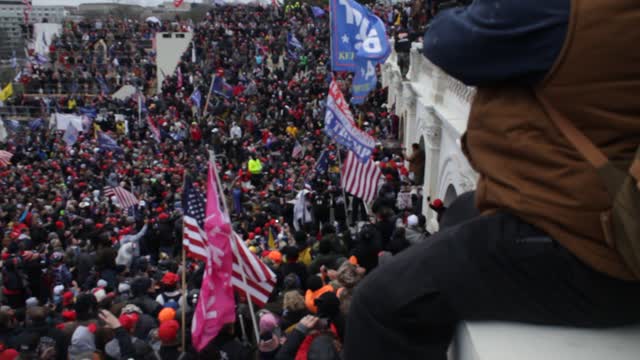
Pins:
x,y
308,321
109,319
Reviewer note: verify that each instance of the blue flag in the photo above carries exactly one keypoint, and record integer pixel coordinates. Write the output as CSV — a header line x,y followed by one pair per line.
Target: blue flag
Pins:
x,y
12,125
41,59
293,55
107,143
88,112
221,87
104,88
196,97
340,126
364,81
356,34
322,164
35,124
293,41
70,135
317,11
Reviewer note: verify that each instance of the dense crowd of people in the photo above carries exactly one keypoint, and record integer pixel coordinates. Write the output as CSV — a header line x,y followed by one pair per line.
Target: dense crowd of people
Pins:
x,y
84,278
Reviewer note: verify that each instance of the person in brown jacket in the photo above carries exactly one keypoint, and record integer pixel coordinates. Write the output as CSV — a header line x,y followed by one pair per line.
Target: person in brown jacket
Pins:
x,y
538,251
416,163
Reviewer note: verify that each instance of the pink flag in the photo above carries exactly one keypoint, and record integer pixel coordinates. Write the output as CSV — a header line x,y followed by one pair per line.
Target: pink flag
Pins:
x,y
180,80
216,305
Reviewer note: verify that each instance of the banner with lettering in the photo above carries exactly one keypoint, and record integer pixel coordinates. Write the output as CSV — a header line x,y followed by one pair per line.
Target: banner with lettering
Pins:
x,y
340,126
358,44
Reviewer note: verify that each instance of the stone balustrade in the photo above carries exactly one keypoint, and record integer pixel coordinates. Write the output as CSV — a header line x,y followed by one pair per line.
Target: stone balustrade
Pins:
x,y
433,108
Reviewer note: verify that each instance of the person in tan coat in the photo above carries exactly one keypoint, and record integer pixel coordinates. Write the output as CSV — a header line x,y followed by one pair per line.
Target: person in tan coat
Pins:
x,y
539,250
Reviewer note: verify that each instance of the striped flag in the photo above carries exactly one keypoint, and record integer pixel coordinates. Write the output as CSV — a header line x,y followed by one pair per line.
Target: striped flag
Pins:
x,y
5,157
193,203
125,198
260,279
298,151
361,180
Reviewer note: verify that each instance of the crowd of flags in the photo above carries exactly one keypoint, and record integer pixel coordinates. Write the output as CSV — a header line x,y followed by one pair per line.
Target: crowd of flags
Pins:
x,y
358,44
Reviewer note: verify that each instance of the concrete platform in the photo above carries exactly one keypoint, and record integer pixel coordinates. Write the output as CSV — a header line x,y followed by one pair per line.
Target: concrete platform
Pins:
x,y
509,341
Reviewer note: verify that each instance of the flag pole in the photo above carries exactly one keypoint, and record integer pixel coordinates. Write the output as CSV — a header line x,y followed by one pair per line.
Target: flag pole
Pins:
x,y
206,103
234,247
344,195
183,306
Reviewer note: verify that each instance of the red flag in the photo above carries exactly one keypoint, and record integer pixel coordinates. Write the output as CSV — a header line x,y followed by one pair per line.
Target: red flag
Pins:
x,y
177,3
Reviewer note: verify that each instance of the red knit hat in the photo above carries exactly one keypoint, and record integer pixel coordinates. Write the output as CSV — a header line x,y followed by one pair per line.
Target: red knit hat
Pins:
x,y
169,278
128,321
168,332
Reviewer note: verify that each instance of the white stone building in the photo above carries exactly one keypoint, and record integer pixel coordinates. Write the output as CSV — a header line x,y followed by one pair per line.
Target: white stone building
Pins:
x,y
433,108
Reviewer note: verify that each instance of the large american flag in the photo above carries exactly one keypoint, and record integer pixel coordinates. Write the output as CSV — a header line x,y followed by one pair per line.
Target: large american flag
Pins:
x,y
125,198
361,180
260,279
5,157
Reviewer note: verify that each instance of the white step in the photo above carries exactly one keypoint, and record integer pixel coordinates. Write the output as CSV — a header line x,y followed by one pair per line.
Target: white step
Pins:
x,y
511,341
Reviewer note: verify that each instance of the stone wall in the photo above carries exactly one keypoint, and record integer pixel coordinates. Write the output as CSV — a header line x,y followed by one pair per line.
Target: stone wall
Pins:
x,y
433,108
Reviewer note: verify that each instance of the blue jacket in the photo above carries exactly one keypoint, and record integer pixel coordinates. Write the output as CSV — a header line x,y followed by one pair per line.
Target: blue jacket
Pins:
x,y
492,42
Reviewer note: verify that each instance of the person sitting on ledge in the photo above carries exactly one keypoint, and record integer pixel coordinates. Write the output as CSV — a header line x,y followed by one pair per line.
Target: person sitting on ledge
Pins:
x,y
539,251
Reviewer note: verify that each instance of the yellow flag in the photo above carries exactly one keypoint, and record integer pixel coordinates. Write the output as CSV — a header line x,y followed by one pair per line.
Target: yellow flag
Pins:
x,y
272,241
96,129
7,92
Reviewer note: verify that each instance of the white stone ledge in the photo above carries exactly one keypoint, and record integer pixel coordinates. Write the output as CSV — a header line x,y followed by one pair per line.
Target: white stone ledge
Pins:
x,y
511,341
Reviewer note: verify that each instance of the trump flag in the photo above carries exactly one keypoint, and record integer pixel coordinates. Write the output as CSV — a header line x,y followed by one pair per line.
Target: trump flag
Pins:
x,y
216,304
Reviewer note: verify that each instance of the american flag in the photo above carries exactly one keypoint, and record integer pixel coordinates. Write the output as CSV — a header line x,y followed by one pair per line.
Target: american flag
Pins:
x,y
193,236
125,198
298,151
260,279
5,157
361,180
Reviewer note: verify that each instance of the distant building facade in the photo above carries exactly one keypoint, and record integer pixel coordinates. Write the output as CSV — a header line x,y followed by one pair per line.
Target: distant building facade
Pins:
x,y
13,33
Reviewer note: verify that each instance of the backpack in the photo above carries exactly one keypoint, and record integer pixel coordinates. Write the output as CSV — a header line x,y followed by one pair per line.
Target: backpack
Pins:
x,y
621,223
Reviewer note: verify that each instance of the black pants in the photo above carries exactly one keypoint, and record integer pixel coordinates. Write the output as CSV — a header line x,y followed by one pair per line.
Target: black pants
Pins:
x,y
488,268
